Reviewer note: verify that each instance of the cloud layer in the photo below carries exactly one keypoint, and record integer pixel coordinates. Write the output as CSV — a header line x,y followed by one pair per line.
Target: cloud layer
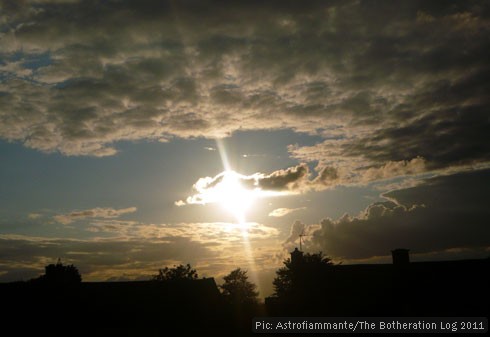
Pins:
x,y
393,88
228,184
132,250
97,213
443,214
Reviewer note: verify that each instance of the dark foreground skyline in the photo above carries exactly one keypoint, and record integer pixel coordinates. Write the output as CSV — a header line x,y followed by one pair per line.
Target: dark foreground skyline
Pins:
x,y
140,134
309,286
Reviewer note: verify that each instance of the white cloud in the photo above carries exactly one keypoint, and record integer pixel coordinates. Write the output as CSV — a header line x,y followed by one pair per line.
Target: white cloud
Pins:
x,y
180,203
232,185
279,212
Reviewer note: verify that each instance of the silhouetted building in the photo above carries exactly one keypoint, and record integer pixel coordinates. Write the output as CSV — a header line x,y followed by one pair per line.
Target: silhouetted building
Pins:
x,y
296,256
135,308
433,288
400,256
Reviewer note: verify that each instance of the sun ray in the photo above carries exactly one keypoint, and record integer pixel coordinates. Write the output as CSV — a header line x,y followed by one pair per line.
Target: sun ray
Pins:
x,y
222,152
237,200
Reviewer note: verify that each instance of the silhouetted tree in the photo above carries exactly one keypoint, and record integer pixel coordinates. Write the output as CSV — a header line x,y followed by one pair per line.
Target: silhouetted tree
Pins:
x,y
60,274
238,289
179,272
303,275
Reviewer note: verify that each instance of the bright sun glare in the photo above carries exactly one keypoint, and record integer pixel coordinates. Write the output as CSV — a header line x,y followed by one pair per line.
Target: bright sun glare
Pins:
x,y
233,197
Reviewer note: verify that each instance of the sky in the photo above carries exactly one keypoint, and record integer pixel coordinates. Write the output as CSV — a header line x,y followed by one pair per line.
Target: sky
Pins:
x,y
136,135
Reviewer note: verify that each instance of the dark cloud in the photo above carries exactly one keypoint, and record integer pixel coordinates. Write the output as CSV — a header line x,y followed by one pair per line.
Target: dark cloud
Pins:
x,y
383,83
327,176
446,213
292,178
449,137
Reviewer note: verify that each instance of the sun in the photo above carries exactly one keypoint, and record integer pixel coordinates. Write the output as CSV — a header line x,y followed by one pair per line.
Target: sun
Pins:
x,y
233,197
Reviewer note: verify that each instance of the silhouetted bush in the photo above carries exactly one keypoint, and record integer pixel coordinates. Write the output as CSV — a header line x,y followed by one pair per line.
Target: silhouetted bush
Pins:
x,y
60,274
179,272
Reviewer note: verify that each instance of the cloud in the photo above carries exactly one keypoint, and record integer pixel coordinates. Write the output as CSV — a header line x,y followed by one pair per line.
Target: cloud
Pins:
x,y
279,212
77,79
298,179
395,169
292,179
281,182
297,228
179,203
336,167
96,258
104,213
442,214
34,216
218,234
116,248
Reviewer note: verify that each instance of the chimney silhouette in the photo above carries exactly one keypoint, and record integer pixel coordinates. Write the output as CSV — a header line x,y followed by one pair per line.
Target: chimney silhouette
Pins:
x,y
400,257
